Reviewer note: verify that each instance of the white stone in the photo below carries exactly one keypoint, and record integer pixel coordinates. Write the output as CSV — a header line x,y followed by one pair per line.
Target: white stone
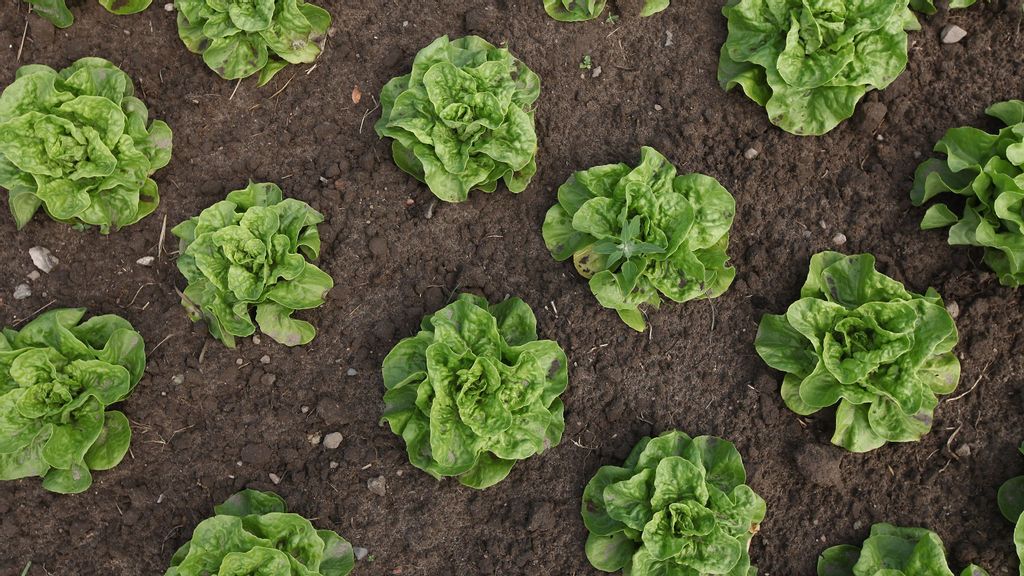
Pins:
x,y
33,275
751,153
952,34
22,291
839,239
333,440
145,261
275,478
43,259
360,553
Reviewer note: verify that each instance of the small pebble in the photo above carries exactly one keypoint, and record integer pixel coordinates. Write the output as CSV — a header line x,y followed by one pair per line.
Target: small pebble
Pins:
x,y
595,72
256,339
304,409
145,261
265,359
178,379
954,309
658,107
160,499
22,291
352,372
169,7
333,440
360,553
409,201
964,451
268,379
43,259
239,361
952,34
275,478
751,153
334,464
668,38
839,239
377,485
33,275
313,438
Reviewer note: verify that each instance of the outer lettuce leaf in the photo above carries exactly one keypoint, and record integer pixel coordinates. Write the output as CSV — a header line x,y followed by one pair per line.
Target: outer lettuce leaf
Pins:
x,y
892,551
78,144
463,120
238,39
252,533
1011,504
475,390
809,63
250,251
582,10
678,505
928,6
858,339
642,233
57,13
58,376
988,171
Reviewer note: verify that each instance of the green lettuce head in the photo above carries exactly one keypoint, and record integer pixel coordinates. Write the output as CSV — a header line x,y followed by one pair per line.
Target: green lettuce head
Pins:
x,y
640,233
581,10
809,62
239,38
58,376
253,250
252,534
1011,504
462,119
677,506
987,170
79,144
892,551
57,13
858,338
475,390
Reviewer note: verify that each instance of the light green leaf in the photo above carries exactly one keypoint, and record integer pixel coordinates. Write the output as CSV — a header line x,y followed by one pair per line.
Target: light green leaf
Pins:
x,y
112,444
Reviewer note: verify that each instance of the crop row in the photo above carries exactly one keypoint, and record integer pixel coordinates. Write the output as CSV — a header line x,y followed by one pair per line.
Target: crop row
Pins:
x,y
475,390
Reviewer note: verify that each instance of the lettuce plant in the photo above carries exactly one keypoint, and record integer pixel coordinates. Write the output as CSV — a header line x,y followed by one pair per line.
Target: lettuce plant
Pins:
x,y
253,533
239,38
79,144
475,390
58,376
581,10
1011,504
253,250
463,118
987,170
640,233
858,338
57,13
892,551
677,506
809,62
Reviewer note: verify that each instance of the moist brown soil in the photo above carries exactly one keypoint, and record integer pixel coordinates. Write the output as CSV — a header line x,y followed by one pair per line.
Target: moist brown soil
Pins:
x,y
235,420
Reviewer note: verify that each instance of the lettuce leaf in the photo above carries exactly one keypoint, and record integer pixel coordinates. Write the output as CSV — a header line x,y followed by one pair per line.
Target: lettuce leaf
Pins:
x,y
678,505
239,39
78,144
809,62
57,13
987,170
892,551
642,233
252,533
462,120
252,250
859,339
475,390
58,376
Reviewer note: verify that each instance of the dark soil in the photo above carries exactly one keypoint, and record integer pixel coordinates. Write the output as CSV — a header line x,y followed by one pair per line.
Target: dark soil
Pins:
x,y
235,420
